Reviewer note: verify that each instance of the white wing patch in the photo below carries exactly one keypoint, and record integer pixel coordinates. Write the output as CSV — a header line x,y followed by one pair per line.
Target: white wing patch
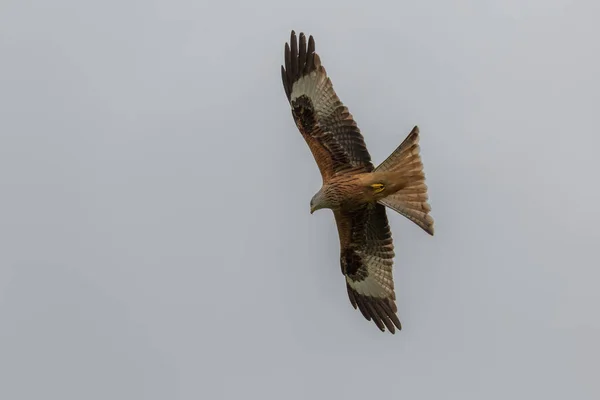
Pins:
x,y
379,282
318,88
306,85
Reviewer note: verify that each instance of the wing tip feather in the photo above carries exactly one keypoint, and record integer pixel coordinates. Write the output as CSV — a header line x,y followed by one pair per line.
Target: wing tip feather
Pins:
x,y
381,311
300,59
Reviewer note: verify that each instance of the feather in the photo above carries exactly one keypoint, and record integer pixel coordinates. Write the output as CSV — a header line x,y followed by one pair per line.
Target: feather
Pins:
x,y
294,55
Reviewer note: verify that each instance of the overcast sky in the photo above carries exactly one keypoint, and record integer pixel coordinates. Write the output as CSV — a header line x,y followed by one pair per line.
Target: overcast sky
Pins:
x,y
155,234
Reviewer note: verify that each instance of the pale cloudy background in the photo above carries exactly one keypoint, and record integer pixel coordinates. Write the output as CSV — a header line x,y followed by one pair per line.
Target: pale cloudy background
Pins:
x,y
156,241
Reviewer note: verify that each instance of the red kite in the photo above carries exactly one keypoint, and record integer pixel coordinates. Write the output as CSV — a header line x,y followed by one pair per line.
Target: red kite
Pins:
x,y
356,191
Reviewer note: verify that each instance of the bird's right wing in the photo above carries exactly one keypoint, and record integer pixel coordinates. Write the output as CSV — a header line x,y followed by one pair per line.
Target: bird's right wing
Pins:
x,y
366,257
324,121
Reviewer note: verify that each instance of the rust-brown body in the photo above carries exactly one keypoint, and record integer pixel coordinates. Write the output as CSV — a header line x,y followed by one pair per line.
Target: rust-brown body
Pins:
x,y
350,191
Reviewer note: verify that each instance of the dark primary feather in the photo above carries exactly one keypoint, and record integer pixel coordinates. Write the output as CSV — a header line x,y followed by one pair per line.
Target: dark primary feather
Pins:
x,y
324,121
378,310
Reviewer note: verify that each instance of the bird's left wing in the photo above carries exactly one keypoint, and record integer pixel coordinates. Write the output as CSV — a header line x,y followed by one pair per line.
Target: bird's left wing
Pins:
x,y
324,121
366,257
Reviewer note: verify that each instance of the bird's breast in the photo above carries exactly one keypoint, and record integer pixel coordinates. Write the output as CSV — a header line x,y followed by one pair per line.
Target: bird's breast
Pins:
x,y
348,193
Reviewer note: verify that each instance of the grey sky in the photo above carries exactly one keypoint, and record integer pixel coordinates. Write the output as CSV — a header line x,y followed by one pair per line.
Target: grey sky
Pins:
x,y
156,241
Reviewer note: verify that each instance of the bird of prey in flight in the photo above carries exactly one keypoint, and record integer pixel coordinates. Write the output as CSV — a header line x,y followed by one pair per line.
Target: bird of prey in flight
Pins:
x,y
355,190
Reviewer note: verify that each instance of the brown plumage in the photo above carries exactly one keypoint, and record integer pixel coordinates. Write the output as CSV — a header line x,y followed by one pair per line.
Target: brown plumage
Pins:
x,y
356,191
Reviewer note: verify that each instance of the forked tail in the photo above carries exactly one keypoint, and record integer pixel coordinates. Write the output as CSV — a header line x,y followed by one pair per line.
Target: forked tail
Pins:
x,y
411,200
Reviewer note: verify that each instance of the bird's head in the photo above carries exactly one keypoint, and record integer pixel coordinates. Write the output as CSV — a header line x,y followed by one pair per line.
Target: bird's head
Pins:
x,y
318,201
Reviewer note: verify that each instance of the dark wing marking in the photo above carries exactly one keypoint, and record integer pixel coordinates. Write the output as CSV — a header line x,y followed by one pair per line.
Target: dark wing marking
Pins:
x,y
322,119
367,252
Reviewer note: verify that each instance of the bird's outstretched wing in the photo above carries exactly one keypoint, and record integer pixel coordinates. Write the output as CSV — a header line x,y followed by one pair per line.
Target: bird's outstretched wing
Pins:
x,y
325,123
366,258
